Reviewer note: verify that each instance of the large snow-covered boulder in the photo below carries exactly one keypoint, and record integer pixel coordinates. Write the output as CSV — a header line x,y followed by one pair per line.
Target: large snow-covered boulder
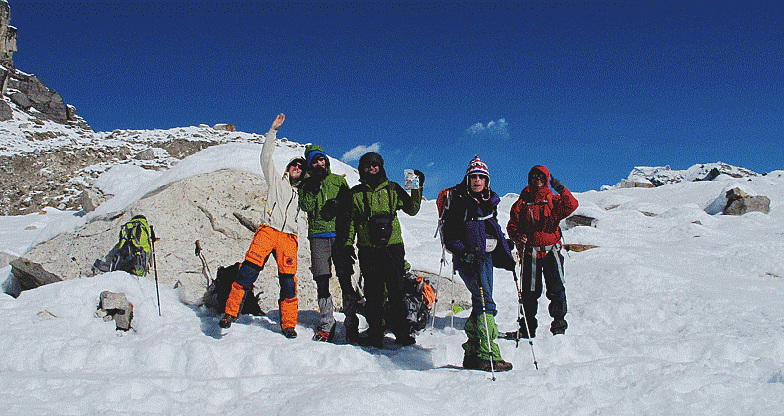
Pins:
x,y
200,208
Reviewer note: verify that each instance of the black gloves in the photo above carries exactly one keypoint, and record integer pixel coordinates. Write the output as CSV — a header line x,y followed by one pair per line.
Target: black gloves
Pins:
x,y
469,257
421,177
556,184
330,208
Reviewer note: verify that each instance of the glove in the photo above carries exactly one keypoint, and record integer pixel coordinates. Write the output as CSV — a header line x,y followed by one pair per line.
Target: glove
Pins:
x,y
556,184
330,208
421,177
510,243
312,185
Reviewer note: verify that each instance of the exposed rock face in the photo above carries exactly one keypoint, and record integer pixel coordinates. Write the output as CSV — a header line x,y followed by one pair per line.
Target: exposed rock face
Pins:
x,y
739,203
7,35
27,92
48,178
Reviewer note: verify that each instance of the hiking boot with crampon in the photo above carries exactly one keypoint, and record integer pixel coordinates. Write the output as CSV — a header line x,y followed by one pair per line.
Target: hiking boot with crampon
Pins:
x,y
323,336
226,320
289,332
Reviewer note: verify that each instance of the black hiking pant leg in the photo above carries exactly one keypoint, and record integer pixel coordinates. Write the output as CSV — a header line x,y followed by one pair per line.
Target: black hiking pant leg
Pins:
x,y
383,267
556,292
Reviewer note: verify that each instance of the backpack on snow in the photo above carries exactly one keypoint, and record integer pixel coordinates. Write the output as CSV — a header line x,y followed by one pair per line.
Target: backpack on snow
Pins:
x,y
134,249
218,292
419,298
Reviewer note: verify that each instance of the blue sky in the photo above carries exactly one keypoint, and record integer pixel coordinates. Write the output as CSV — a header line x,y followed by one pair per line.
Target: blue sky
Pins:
x,y
589,89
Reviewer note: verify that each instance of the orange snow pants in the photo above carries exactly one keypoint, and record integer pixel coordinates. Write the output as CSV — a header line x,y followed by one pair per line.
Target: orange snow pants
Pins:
x,y
284,248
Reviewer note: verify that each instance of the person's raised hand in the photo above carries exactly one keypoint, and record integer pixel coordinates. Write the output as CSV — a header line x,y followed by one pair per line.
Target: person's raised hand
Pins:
x,y
278,121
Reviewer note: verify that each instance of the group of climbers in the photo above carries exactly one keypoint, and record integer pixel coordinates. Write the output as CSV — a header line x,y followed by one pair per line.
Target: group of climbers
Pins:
x,y
366,215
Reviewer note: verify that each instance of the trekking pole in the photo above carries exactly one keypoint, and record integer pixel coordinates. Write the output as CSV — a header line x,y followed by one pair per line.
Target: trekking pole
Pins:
x,y
204,265
437,288
155,266
525,319
487,328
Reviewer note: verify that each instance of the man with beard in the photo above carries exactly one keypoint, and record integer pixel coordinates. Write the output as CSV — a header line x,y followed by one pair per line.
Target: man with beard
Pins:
x,y
374,224
325,197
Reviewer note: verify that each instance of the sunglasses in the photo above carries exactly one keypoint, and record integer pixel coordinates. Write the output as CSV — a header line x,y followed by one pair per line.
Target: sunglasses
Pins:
x,y
297,165
476,176
371,165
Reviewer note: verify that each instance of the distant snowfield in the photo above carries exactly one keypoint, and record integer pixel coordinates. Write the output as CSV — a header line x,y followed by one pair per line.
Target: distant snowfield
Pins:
x,y
680,312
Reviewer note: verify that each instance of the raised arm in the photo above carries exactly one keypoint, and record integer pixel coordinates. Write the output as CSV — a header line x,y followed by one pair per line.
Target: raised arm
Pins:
x,y
267,165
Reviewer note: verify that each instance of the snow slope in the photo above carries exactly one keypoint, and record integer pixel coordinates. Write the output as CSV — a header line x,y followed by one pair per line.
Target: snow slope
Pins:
x,y
676,312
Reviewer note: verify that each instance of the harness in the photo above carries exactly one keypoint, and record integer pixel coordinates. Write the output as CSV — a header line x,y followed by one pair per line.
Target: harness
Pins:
x,y
554,248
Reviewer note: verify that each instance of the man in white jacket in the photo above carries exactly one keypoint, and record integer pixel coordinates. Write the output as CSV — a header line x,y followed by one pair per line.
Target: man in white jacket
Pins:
x,y
278,233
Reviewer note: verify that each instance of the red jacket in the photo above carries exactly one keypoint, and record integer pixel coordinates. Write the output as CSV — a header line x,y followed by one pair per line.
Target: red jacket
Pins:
x,y
537,213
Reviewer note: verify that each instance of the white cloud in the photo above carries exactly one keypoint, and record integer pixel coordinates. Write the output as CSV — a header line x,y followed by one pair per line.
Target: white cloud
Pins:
x,y
494,129
475,129
357,152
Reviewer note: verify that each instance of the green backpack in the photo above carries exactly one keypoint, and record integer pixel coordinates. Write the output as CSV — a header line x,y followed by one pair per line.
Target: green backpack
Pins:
x,y
135,247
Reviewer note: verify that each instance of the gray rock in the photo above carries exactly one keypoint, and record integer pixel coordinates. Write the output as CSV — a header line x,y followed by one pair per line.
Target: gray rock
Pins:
x,y
31,275
116,306
20,99
6,113
89,200
579,220
148,154
739,203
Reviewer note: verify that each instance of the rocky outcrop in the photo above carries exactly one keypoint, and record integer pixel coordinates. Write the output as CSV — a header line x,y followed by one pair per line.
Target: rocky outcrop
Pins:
x,y
27,92
7,35
652,176
739,203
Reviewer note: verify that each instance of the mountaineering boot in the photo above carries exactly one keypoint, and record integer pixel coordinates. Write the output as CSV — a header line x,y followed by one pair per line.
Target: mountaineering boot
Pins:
x,y
371,340
471,362
405,339
289,332
351,322
352,330
325,336
325,331
226,320
558,326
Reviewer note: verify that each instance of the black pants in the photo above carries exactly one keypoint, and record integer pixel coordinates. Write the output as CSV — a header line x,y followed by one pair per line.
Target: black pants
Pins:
x,y
546,267
384,267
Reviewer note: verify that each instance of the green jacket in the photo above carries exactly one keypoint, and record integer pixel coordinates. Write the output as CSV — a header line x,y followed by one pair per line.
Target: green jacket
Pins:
x,y
378,199
312,198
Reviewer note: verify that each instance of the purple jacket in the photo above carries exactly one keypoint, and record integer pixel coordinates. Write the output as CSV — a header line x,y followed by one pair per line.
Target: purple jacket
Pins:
x,y
468,221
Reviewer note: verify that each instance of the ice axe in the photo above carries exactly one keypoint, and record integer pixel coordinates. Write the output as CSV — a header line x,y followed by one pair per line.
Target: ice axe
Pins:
x,y
205,268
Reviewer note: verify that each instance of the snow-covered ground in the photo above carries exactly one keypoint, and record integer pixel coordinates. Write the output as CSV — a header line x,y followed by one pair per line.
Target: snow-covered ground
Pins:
x,y
676,312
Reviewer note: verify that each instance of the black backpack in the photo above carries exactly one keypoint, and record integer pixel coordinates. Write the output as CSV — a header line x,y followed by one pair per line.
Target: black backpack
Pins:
x,y
218,292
